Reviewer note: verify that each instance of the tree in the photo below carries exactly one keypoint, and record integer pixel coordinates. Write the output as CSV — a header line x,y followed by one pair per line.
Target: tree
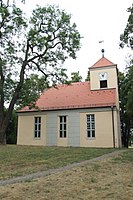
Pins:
x,y
127,37
41,43
123,90
32,87
88,76
126,102
75,77
129,78
126,87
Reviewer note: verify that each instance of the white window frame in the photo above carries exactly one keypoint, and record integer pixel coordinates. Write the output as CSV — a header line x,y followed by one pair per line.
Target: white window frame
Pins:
x,y
63,126
37,127
90,122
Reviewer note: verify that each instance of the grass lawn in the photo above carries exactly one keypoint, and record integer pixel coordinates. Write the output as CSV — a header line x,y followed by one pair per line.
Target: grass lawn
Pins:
x,y
109,179
20,160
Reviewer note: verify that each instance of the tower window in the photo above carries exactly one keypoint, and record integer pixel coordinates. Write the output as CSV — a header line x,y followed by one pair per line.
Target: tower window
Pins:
x,y
103,83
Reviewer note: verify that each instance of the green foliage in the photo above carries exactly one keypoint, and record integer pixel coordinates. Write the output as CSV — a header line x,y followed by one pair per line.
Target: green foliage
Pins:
x,y
126,101
126,85
46,41
127,37
75,77
129,78
123,90
52,32
33,86
41,43
88,76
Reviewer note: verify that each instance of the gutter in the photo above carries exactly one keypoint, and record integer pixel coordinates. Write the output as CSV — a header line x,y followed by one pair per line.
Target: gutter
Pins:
x,y
113,126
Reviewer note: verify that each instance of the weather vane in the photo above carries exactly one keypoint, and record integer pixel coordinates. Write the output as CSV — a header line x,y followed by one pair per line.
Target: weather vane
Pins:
x,y
102,50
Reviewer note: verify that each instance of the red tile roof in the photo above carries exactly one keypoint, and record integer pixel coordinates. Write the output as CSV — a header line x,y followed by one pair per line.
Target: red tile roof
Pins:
x,y
103,62
75,95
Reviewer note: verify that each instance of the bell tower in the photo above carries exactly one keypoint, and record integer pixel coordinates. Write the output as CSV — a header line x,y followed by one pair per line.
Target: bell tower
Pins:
x,y
103,74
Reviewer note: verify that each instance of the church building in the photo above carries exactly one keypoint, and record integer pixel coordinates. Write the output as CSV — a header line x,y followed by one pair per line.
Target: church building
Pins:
x,y
82,114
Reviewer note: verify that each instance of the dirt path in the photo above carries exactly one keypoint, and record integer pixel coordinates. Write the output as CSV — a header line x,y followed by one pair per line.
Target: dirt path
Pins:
x,y
29,177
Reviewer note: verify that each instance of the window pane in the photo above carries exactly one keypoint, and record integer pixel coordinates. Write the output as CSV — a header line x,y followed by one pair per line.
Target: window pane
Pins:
x,y
61,134
35,120
88,125
93,133
64,134
93,126
39,127
60,126
88,118
88,134
65,127
65,119
35,134
92,117
38,134
39,119
35,127
60,118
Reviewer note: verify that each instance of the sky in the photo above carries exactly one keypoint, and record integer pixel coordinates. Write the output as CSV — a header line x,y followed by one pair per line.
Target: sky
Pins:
x,y
96,20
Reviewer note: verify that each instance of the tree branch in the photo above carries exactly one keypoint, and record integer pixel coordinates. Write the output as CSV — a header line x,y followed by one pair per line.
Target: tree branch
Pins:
x,y
38,55
39,69
55,37
52,47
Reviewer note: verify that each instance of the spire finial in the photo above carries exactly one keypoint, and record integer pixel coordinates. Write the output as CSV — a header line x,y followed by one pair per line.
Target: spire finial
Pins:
x,y
102,49
103,52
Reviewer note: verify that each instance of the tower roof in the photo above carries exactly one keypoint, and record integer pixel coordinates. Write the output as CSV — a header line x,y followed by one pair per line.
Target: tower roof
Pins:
x,y
103,62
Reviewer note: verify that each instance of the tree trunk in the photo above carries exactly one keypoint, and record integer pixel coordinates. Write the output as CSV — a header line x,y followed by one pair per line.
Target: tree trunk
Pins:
x,y
126,133
4,121
2,136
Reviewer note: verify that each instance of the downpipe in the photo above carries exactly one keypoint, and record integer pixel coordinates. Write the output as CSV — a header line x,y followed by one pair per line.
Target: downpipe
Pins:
x,y
113,126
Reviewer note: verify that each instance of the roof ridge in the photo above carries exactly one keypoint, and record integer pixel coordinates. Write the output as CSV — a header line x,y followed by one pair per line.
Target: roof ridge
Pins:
x,y
73,83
